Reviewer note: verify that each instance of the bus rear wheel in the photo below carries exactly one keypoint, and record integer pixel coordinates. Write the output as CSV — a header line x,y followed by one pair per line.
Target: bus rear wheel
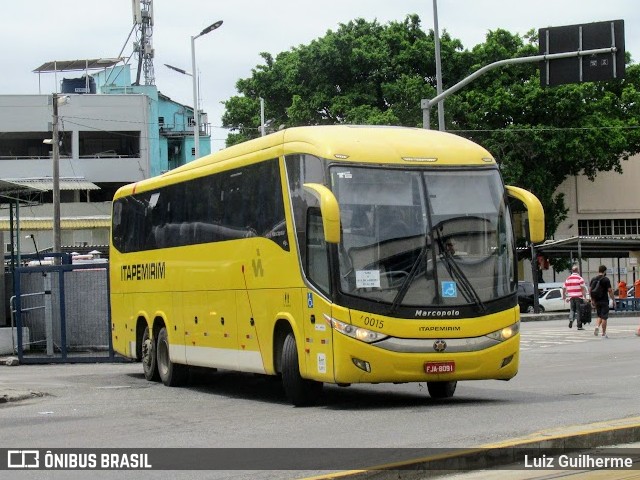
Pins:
x,y
149,364
299,391
171,374
441,389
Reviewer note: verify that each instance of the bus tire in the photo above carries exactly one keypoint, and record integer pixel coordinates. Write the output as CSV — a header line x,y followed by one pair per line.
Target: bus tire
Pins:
x,y
441,389
299,391
149,364
171,374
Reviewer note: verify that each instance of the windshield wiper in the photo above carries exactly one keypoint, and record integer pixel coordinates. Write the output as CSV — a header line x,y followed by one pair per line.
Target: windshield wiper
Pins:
x,y
469,293
404,288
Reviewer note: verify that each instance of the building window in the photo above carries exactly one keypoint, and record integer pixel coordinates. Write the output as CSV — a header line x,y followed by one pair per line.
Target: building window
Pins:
x,y
103,144
601,228
191,122
161,121
28,145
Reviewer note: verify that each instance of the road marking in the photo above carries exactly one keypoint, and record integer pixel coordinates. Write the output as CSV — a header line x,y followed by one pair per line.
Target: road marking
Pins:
x,y
554,336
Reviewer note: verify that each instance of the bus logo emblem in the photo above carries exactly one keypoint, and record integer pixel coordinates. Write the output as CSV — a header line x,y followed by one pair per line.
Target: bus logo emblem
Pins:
x,y
439,345
258,271
309,299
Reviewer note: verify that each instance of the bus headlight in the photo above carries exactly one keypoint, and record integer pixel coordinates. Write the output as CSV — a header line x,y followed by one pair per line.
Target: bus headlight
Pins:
x,y
359,333
505,333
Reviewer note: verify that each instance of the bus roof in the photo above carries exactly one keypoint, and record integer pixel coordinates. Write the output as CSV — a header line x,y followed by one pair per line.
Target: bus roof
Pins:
x,y
353,143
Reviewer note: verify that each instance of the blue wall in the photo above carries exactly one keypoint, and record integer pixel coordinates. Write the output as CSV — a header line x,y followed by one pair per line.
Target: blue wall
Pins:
x,y
170,143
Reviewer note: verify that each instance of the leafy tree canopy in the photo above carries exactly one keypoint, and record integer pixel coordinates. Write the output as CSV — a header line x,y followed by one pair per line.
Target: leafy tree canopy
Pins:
x,y
368,73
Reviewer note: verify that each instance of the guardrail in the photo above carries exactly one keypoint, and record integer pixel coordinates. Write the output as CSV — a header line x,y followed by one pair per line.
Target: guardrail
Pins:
x,y
631,304
13,312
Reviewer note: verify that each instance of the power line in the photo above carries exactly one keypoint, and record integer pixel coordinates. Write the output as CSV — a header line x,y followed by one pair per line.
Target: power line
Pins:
x,y
546,129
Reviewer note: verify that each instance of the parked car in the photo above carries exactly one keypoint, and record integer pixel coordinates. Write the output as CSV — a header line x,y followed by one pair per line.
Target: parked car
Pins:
x,y
552,301
525,297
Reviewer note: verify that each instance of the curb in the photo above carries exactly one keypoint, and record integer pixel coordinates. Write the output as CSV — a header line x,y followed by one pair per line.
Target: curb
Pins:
x,y
576,438
9,361
10,395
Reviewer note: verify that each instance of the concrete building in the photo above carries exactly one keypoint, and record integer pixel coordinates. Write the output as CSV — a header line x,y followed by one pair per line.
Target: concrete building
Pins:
x,y
608,210
111,133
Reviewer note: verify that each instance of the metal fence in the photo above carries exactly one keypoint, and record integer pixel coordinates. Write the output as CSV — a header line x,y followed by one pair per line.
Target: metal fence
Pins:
x,y
61,313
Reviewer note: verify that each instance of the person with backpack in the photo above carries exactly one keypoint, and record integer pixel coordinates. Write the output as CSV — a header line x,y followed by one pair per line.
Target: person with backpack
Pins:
x,y
600,291
575,290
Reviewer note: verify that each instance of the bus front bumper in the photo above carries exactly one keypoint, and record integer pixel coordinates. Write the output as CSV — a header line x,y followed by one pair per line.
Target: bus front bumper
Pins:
x,y
359,362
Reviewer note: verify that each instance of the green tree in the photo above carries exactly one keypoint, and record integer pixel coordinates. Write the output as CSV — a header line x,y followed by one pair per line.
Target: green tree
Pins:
x,y
368,73
363,73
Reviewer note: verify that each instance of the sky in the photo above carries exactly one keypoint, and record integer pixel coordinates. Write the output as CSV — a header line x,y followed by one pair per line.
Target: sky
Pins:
x,y
36,31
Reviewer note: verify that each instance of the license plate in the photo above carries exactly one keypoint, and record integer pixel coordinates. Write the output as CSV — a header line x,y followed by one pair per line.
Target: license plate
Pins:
x,y
440,367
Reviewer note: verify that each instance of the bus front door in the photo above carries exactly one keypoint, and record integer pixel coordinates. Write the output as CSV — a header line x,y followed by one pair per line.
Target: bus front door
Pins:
x,y
317,341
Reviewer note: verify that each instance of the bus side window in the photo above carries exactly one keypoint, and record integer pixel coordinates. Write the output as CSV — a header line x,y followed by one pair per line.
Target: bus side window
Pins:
x,y
317,252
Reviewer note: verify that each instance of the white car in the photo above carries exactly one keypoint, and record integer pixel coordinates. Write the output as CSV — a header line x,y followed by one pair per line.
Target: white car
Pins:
x,y
551,301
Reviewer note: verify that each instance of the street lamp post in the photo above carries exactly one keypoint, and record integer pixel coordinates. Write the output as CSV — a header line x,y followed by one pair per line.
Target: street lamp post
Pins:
x,y
196,113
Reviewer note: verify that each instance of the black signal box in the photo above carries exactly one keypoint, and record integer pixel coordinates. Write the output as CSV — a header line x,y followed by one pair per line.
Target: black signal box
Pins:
x,y
587,68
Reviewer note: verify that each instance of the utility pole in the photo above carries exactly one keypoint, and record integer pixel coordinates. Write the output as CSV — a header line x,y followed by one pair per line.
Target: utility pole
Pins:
x,y
56,177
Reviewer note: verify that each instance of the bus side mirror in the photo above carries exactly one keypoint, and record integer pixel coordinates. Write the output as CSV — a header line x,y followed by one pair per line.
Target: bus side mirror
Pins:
x,y
330,211
534,209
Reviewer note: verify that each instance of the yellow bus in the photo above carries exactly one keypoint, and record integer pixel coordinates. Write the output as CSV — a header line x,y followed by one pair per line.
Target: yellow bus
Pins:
x,y
326,254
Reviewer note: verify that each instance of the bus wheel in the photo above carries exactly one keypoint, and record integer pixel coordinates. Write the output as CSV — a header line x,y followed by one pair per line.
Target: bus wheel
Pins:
x,y
299,391
441,389
149,364
171,374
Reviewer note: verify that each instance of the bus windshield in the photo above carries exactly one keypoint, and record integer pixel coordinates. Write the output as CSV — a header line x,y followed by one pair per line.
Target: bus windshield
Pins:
x,y
424,237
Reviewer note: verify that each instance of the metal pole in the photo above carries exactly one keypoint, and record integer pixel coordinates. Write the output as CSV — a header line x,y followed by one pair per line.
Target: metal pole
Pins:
x,y
17,245
261,117
436,35
196,110
426,116
534,272
580,255
11,233
48,312
425,104
196,113
56,178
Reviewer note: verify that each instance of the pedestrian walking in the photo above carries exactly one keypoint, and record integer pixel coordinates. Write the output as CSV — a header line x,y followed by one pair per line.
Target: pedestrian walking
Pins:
x,y
600,291
575,290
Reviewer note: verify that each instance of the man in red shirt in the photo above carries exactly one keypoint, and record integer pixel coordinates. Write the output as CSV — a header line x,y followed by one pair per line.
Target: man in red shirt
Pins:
x,y
575,289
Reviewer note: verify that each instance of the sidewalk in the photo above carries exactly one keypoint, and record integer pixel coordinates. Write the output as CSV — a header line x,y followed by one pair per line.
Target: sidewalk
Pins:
x,y
503,460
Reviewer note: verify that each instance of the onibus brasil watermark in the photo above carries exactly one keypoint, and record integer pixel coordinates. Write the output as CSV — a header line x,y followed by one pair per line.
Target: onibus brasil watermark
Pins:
x,y
51,460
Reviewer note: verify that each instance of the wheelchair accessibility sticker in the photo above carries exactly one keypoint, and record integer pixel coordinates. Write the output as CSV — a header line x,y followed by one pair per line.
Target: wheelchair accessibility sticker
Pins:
x,y
449,289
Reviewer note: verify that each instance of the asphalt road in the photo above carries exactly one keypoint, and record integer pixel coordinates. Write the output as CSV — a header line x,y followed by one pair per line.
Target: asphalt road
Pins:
x,y
566,378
